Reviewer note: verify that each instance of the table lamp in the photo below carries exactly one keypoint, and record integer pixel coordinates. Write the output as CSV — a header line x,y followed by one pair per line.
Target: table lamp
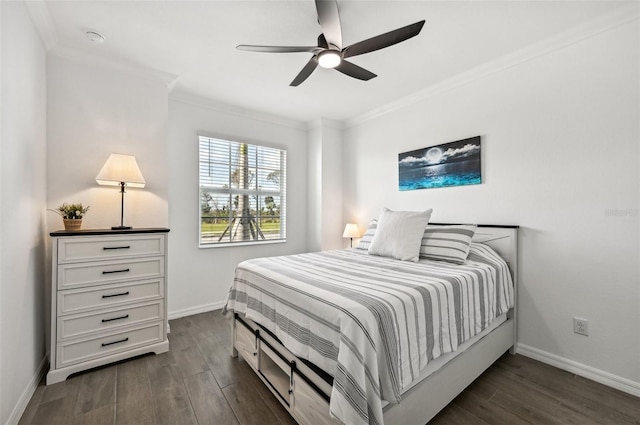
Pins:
x,y
351,231
121,170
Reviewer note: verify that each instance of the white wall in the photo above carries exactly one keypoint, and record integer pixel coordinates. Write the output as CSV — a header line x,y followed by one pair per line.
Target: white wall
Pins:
x,y
325,185
314,187
94,110
332,222
22,197
560,157
199,278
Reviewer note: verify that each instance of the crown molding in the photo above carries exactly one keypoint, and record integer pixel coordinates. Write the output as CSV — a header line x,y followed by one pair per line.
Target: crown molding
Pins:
x,y
150,74
617,18
44,24
322,122
227,108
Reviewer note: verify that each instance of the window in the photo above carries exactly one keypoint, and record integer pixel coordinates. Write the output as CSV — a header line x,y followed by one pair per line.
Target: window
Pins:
x,y
242,193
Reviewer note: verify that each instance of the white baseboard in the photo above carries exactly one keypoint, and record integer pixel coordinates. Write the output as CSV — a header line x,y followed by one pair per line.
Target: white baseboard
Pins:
x,y
597,375
26,395
195,310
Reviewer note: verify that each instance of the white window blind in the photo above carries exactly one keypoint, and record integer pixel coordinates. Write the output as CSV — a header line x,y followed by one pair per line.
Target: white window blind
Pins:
x,y
242,192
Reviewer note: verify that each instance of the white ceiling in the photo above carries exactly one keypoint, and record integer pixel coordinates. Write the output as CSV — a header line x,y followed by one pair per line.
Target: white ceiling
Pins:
x,y
195,41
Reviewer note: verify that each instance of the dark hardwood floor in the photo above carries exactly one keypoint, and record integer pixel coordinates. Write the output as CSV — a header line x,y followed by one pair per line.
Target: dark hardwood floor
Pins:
x,y
197,382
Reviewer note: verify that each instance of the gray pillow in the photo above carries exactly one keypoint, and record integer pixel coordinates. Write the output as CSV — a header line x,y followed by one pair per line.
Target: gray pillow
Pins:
x,y
365,240
447,243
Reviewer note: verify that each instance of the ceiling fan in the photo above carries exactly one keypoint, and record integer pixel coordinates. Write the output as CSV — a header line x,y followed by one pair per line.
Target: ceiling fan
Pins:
x,y
329,52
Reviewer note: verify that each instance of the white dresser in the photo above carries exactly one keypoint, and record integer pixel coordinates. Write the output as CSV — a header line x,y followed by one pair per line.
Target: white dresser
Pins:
x,y
108,297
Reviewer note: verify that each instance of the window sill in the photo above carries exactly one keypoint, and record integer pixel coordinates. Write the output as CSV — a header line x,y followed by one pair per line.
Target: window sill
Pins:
x,y
233,244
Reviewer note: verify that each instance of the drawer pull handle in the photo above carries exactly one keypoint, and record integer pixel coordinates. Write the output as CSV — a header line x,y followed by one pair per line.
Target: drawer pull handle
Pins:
x,y
115,271
104,344
126,316
116,295
106,248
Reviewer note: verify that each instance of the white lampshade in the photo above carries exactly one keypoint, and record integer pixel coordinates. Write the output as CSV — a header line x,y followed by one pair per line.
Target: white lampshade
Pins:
x,y
351,231
120,168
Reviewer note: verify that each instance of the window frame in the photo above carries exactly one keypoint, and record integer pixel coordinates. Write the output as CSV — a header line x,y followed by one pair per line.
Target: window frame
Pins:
x,y
257,193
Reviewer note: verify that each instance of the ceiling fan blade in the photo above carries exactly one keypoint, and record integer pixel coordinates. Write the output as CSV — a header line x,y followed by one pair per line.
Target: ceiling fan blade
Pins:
x,y
278,49
306,71
353,70
322,42
329,20
383,40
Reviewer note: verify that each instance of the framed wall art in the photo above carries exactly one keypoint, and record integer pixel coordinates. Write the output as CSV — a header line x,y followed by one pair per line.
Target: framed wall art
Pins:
x,y
449,164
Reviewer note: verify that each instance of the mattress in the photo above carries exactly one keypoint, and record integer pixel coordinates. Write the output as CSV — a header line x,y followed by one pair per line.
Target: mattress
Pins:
x,y
373,323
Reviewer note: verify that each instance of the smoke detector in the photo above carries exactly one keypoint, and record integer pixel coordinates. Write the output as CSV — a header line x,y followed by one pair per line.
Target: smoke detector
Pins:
x,y
95,37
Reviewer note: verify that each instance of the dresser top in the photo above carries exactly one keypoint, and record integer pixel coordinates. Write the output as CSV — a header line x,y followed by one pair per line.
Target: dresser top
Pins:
x,y
93,232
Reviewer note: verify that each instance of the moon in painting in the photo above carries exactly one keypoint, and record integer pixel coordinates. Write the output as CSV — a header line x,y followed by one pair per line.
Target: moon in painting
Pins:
x,y
434,155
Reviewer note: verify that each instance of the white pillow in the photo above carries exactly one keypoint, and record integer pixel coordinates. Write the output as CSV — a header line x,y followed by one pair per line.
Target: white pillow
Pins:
x,y
447,243
399,234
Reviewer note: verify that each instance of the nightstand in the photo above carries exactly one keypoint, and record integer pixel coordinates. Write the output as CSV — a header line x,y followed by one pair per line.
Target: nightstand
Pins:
x,y
108,297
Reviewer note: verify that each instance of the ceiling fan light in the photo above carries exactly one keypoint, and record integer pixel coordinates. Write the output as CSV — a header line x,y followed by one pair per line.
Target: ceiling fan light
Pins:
x,y
329,59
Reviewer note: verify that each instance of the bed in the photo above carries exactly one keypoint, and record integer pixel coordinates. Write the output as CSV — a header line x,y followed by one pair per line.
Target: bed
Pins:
x,y
343,336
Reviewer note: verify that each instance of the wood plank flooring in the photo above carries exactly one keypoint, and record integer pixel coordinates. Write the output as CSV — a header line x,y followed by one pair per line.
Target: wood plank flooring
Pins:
x,y
198,382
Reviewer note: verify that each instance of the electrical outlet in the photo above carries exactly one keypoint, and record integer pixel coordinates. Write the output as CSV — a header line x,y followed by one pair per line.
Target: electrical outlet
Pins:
x,y
581,326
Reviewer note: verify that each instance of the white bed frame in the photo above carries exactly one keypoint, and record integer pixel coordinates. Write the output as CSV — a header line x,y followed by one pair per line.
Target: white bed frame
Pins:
x,y
306,395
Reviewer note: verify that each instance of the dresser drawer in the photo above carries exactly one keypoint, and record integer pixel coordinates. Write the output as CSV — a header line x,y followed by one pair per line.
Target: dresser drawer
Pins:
x,y
105,247
98,297
83,324
96,273
72,352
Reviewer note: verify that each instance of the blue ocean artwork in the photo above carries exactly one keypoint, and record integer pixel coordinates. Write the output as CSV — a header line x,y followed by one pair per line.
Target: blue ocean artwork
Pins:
x,y
449,164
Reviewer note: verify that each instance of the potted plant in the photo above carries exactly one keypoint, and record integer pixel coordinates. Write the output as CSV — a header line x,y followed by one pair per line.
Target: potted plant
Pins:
x,y
71,215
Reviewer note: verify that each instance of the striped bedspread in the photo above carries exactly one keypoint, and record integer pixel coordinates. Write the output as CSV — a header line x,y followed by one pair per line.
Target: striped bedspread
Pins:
x,y
371,322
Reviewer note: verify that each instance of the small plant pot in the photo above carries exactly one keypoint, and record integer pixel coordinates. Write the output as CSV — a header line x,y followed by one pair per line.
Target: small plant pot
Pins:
x,y
72,223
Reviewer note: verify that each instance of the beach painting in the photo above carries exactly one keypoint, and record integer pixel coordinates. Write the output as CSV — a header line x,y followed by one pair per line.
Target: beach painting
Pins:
x,y
449,164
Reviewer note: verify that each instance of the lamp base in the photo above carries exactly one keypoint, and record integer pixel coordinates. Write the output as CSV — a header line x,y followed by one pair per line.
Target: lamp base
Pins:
x,y
121,227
